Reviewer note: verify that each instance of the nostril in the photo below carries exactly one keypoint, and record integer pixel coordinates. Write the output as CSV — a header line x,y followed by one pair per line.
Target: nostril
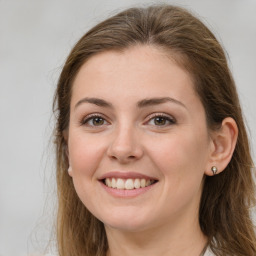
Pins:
x,y
123,159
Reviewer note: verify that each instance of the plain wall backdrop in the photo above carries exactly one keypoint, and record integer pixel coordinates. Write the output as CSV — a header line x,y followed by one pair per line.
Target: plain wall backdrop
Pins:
x,y
35,39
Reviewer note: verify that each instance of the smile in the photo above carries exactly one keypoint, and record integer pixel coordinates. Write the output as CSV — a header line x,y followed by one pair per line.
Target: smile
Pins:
x,y
127,184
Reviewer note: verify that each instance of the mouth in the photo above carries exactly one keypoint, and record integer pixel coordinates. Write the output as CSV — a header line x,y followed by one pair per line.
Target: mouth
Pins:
x,y
128,184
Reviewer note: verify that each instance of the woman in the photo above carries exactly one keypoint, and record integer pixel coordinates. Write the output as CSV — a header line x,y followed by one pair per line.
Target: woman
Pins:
x,y
152,152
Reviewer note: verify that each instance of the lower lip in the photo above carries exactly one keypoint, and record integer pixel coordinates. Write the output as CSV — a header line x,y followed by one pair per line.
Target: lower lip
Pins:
x,y
127,193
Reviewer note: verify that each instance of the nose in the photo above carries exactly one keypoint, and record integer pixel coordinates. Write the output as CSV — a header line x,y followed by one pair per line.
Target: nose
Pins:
x,y
125,145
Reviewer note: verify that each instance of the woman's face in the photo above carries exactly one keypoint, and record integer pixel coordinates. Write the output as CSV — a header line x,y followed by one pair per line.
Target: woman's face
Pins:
x,y
138,141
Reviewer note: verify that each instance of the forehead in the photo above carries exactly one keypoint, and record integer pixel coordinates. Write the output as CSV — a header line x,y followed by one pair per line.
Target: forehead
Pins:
x,y
143,67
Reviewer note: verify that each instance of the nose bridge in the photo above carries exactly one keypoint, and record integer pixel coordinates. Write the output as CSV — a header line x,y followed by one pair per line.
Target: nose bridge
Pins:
x,y
125,144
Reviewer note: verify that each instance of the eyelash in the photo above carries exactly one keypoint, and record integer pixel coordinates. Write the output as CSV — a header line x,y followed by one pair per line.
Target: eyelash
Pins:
x,y
169,119
85,121
152,117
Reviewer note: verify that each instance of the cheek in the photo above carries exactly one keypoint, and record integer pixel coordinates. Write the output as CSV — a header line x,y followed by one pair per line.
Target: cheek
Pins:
x,y
181,154
181,160
85,153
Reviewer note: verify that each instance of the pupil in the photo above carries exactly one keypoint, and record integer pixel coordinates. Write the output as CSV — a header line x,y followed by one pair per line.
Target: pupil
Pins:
x,y
98,121
160,121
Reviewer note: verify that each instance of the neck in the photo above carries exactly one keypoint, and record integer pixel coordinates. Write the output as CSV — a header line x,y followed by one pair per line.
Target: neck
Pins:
x,y
163,241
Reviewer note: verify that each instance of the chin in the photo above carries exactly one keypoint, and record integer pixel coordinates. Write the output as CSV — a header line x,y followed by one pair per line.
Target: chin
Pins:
x,y
127,221
126,227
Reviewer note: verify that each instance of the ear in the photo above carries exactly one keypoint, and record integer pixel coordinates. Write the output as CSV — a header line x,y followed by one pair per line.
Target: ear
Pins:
x,y
223,142
70,171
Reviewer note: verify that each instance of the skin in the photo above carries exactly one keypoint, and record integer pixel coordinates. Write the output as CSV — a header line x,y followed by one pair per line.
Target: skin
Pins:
x,y
127,139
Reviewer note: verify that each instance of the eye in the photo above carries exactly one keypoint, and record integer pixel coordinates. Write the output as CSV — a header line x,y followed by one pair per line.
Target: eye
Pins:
x,y
94,120
161,120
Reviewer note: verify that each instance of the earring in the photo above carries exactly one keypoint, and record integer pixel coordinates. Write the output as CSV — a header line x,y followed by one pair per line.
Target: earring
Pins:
x,y
69,169
214,170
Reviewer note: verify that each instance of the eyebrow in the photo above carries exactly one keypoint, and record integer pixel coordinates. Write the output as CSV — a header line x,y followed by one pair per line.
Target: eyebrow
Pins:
x,y
157,101
140,104
95,101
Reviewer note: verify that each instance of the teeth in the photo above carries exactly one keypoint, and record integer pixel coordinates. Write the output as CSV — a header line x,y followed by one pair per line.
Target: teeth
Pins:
x,y
113,183
143,183
137,183
147,183
127,183
108,182
120,184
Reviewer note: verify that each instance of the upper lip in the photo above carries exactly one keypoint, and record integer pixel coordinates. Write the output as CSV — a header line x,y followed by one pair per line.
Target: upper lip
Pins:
x,y
126,175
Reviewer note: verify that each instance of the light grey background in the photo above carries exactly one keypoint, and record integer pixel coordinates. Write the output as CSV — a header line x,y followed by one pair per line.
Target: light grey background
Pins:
x,y
35,38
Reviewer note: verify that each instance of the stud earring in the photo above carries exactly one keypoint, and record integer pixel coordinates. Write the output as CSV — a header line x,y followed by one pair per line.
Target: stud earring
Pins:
x,y
214,170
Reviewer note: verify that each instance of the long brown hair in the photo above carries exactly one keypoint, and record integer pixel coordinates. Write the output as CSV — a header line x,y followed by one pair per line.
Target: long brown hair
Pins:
x,y
226,200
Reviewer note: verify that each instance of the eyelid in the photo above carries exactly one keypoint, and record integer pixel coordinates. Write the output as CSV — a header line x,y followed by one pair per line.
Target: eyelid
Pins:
x,y
87,118
159,114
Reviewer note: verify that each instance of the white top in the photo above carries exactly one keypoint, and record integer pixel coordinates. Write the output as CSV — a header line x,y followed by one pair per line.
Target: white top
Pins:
x,y
208,252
